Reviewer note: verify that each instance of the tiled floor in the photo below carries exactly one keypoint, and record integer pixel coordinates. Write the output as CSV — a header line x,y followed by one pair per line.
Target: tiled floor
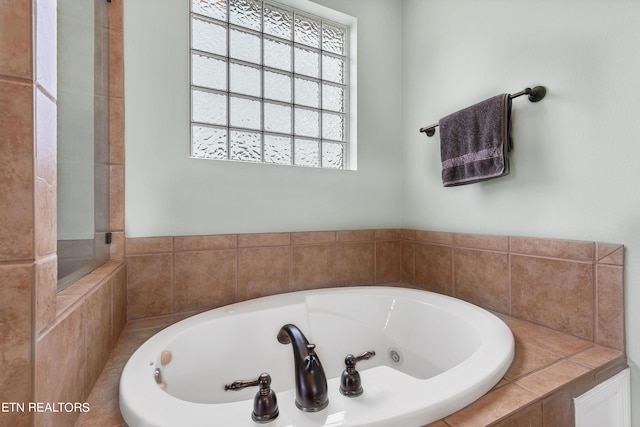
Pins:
x,y
549,367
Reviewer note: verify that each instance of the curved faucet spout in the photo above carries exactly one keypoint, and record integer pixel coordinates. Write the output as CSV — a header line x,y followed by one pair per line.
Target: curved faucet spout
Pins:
x,y
311,381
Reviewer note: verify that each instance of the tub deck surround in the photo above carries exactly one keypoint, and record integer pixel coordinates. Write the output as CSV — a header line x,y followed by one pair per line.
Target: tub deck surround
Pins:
x,y
528,278
549,368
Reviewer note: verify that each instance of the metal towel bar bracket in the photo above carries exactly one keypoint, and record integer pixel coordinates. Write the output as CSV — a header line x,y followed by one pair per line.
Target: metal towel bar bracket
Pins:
x,y
536,94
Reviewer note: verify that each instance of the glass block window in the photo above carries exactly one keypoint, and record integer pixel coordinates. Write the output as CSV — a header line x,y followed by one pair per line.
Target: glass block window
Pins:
x,y
269,84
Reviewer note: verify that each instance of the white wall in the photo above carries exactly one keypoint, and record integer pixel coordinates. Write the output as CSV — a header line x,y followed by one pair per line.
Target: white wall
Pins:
x,y
168,193
575,164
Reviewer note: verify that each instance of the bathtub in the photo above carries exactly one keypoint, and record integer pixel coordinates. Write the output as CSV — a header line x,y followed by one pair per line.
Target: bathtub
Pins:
x,y
433,356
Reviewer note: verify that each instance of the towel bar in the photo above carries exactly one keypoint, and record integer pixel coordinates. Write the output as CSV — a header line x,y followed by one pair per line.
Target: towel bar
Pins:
x,y
535,95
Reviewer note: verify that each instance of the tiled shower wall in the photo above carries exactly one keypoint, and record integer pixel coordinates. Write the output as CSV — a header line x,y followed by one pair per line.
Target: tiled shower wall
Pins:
x,y
27,193
19,259
572,286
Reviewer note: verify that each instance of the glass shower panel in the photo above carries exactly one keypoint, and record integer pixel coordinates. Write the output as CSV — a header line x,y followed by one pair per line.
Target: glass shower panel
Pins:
x,y
83,138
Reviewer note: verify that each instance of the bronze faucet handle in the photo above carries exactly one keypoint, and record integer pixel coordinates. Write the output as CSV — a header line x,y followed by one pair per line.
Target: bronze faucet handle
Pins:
x,y
265,404
364,356
239,385
350,383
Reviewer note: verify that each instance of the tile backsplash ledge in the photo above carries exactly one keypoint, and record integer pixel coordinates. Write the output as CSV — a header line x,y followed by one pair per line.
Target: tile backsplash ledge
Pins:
x,y
575,287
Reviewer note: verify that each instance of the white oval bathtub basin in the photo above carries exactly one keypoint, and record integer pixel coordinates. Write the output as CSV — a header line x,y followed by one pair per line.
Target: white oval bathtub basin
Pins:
x,y
434,355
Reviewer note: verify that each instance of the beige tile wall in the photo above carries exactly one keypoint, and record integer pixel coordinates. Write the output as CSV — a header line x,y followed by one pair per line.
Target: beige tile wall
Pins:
x,y
574,287
168,275
25,250
570,286
71,352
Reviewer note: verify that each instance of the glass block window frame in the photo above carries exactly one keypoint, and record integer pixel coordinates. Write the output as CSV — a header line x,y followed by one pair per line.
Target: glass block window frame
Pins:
x,y
269,84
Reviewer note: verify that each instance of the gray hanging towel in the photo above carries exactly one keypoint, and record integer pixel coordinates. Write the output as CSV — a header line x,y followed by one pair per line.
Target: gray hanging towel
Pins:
x,y
474,142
